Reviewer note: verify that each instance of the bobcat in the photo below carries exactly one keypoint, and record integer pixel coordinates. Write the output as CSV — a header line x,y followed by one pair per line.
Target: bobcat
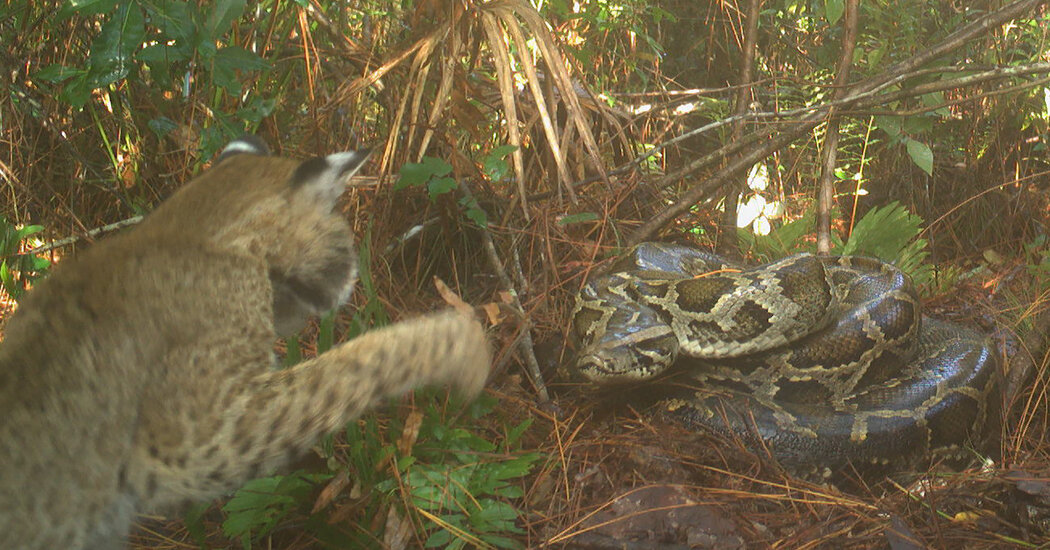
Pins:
x,y
140,375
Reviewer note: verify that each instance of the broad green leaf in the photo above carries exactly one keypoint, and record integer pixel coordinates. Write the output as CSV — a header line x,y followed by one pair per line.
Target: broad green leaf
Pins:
x,y
77,90
293,353
57,73
27,231
478,216
918,124
178,21
936,98
889,124
114,48
921,155
8,280
231,59
439,186
158,58
257,109
162,126
474,212
416,174
833,10
220,17
85,7
493,164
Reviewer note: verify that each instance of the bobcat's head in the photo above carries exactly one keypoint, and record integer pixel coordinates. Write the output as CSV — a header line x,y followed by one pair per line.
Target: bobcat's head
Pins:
x,y
280,210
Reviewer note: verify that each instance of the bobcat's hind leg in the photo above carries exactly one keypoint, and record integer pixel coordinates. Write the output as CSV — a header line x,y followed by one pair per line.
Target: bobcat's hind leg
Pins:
x,y
274,416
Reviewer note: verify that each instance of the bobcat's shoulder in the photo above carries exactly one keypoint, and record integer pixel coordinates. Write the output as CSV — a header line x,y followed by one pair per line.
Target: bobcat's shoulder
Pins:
x,y
139,376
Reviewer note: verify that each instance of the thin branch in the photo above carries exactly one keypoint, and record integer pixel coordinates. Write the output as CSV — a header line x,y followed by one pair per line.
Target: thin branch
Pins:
x,y
825,195
525,341
91,234
727,237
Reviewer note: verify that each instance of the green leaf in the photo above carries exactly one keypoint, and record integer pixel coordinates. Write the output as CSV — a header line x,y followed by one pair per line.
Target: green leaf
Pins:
x,y
221,17
77,91
439,539
231,59
890,124
85,7
781,241
474,211
27,231
58,73
833,10
932,100
257,109
36,263
413,175
262,503
177,20
293,353
493,165
158,58
439,186
162,126
8,281
921,155
113,50
194,520
920,124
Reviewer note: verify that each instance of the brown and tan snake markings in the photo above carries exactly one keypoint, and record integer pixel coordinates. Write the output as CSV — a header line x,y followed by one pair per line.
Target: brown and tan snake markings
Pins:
x,y
826,361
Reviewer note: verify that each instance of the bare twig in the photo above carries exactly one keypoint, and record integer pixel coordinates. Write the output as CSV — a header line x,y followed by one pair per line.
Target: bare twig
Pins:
x,y
525,343
91,234
831,136
727,238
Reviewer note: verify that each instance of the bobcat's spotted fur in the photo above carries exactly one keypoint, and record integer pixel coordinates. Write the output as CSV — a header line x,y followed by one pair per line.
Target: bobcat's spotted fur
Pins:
x,y
139,376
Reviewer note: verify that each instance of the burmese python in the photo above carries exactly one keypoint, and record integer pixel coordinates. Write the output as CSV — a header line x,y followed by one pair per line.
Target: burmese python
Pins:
x,y
826,361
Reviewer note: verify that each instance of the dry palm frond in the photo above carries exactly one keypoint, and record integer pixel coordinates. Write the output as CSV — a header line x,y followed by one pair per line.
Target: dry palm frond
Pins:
x,y
513,40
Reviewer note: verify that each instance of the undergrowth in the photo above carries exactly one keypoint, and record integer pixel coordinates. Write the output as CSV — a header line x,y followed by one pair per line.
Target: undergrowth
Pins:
x,y
889,233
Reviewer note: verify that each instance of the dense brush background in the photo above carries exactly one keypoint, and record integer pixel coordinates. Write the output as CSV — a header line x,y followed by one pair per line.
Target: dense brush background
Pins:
x,y
509,143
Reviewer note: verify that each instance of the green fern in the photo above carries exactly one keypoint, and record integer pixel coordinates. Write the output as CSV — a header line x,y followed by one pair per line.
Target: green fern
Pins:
x,y
889,233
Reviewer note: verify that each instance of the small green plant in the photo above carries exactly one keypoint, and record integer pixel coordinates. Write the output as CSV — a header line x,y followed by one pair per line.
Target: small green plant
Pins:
x,y
433,173
18,270
890,233
458,485
263,503
901,129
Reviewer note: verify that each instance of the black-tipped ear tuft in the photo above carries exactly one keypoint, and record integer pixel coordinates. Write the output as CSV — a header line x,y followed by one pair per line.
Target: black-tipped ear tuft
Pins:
x,y
250,144
309,171
323,179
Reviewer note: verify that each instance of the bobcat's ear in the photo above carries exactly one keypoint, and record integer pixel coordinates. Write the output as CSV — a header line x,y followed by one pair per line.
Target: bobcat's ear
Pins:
x,y
248,143
324,178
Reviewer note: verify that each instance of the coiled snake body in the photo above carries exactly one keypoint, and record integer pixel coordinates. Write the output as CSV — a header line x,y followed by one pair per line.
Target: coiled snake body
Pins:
x,y
826,361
